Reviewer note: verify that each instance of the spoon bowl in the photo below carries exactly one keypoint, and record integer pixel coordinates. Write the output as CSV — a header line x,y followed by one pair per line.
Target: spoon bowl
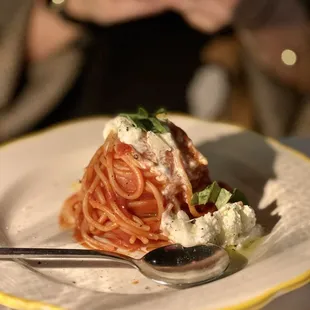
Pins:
x,y
172,265
178,266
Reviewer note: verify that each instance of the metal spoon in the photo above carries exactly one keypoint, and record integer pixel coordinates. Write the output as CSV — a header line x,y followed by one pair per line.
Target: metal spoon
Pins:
x,y
172,265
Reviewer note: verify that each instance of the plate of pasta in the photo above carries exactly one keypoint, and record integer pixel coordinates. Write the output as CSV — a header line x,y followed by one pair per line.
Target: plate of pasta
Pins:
x,y
139,181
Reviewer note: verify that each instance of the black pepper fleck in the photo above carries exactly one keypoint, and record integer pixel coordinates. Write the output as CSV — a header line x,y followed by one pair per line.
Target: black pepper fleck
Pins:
x,y
39,263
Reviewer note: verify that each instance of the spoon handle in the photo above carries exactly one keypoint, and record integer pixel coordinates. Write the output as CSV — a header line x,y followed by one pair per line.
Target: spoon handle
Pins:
x,y
22,253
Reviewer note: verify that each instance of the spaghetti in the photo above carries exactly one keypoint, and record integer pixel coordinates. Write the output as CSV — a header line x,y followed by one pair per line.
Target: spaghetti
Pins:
x,y
124,192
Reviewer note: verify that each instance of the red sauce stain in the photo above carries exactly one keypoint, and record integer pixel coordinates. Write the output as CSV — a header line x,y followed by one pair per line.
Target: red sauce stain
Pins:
x,y
123,149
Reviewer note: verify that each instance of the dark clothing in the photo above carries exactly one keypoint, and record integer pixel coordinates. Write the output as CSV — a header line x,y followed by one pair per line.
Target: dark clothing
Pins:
x,y
143,63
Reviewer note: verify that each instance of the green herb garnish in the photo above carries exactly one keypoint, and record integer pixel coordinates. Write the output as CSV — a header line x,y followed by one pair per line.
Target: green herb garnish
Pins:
x,y
237,195
148,122
223,198
209,194
217,195
160,111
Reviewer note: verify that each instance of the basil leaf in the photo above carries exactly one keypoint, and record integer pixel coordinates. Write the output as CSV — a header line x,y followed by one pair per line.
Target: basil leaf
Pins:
x,y
144,121
215,191
223,198
237,196
141,123
143,113
217,195
146,124
158,127
209,194
160,111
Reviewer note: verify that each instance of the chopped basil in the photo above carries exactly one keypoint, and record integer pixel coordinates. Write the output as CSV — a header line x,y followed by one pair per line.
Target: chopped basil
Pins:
x,y
148,122
142,114
223,198
217,195
237,195
160,112
209,194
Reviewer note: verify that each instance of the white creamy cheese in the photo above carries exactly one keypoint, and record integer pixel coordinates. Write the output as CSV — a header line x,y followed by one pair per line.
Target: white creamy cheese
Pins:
x,y
155,144
233,224
128,133
230,225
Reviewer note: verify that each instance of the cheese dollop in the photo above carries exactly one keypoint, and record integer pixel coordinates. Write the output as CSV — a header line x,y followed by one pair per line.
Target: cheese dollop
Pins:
x,y
232,225
140,140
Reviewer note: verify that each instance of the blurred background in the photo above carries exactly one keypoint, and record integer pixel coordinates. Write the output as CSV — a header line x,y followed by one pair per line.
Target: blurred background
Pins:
x,y
242,61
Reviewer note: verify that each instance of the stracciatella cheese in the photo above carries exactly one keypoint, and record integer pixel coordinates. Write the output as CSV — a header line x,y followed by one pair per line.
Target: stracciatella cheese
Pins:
x,y
140,140
126,132
130,134
156,145
232,225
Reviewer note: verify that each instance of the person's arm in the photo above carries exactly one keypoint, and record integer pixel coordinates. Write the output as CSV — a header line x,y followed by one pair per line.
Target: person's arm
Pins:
x,y
31,33
48,32
49,74
109,12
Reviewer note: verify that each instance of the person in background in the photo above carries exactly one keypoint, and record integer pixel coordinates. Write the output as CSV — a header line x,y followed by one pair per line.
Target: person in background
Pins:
x,y
90,57
95,59
275,35
259,76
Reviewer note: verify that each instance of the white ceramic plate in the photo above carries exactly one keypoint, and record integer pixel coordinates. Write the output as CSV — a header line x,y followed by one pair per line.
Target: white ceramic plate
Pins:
x,y
39,172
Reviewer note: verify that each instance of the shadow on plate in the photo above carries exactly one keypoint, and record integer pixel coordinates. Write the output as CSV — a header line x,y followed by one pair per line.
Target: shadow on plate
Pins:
x,y
268,217
232,159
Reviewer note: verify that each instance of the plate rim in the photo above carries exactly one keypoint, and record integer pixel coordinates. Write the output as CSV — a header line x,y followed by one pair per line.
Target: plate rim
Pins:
x,y
261,300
